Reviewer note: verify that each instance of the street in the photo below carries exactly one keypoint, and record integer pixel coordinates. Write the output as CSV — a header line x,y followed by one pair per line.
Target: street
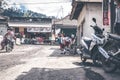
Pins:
x,y
45,62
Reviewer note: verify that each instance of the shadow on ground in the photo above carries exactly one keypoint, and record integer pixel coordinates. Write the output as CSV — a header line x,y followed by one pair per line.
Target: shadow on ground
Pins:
x,y
3,51
66,74
85,64
53,74
58,53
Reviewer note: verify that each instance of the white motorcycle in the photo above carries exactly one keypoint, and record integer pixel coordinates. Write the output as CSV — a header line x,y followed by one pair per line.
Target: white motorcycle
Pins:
x,y
89,47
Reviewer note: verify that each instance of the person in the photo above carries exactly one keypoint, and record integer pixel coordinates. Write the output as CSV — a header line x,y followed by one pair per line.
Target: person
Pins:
x,y
117,19
60,37
59,40
8,36
72,41
67,41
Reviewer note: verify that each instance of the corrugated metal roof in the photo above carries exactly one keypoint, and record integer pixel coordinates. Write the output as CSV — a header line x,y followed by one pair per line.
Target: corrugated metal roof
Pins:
x,y
66,21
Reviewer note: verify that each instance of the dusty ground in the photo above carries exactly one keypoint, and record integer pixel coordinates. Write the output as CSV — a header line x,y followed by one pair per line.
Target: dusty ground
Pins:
x,y
40,62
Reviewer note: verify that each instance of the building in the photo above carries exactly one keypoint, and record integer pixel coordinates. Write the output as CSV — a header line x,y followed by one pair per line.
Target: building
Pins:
x,y
3,21
65,26
83,11
3,25
31,27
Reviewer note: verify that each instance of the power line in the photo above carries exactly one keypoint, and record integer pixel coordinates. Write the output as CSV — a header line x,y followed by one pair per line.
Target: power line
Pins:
x,y
37,3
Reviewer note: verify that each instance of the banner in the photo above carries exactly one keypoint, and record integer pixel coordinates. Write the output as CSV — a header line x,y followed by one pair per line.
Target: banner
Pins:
x,y
40,29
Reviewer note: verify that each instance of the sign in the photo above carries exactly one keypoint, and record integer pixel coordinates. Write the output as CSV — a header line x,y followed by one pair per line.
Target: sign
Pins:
x,y
105,12
40,29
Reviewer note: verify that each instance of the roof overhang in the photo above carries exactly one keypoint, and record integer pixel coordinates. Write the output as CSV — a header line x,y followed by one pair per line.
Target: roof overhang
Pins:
x,y
65,26
26,25
78,5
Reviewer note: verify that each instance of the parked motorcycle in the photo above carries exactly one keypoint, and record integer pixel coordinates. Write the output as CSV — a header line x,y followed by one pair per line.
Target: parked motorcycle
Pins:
x,y
108,52
8,45
89,47
111,53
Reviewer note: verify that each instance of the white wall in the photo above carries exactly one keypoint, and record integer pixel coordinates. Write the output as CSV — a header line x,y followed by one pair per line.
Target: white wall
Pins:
x,y
93,10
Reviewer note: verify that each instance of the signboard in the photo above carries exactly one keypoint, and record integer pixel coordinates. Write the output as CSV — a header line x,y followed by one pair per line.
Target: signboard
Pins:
x,y
105,12
39,29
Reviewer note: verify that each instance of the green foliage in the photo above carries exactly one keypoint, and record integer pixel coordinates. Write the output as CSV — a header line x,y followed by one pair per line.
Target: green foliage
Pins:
x,y
12,12
15,12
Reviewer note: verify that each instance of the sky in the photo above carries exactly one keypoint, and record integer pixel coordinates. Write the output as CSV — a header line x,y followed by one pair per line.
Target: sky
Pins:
x,y
57,8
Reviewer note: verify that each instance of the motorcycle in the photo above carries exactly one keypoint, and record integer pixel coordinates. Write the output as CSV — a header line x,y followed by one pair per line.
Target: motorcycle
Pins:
x,y
8,45
110,53
89,47
106,51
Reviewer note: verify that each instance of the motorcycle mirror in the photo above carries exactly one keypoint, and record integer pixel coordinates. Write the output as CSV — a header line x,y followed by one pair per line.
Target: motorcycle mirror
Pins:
x,y
94,20
91,26
103,29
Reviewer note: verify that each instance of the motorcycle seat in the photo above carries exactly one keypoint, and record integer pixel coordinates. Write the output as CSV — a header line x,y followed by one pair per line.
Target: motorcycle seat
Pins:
x,y
114,36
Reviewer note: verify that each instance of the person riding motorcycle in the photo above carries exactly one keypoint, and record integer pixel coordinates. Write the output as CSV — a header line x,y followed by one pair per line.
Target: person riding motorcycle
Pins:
x,y
8,36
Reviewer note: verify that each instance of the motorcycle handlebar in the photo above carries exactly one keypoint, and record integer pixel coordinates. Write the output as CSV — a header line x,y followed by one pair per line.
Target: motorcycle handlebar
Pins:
x,y
97,29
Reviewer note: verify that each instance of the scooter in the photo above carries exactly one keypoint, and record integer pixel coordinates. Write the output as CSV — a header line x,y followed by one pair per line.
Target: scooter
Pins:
x,y
89,47
106,51
9,46
110,53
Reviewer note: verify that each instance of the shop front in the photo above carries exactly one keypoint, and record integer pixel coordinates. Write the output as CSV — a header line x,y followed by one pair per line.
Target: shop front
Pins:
x,y
32,33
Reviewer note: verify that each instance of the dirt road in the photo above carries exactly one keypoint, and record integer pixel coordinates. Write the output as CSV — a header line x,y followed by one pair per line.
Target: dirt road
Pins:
x,y
41,62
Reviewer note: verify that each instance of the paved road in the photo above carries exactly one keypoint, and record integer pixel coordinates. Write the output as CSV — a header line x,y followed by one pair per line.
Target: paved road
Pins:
x,y
41,62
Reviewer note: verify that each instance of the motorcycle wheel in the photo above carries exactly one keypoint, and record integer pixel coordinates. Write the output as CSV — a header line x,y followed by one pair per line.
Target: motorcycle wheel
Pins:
x,y
97,59
83,59
108,66
8,48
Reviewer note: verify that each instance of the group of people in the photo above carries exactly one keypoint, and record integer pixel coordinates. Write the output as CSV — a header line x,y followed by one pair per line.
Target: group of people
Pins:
x,y
65,41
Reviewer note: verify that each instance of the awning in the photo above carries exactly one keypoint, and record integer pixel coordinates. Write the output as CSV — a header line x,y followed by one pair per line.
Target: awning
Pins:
x,y
27,25
33,27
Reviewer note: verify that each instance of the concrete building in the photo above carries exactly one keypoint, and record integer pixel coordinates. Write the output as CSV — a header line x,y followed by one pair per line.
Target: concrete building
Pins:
x,y
3,21
65,25
3,25
83,11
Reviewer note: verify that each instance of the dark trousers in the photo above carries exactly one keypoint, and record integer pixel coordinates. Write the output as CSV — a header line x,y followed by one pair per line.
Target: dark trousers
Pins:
x,y
117,28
